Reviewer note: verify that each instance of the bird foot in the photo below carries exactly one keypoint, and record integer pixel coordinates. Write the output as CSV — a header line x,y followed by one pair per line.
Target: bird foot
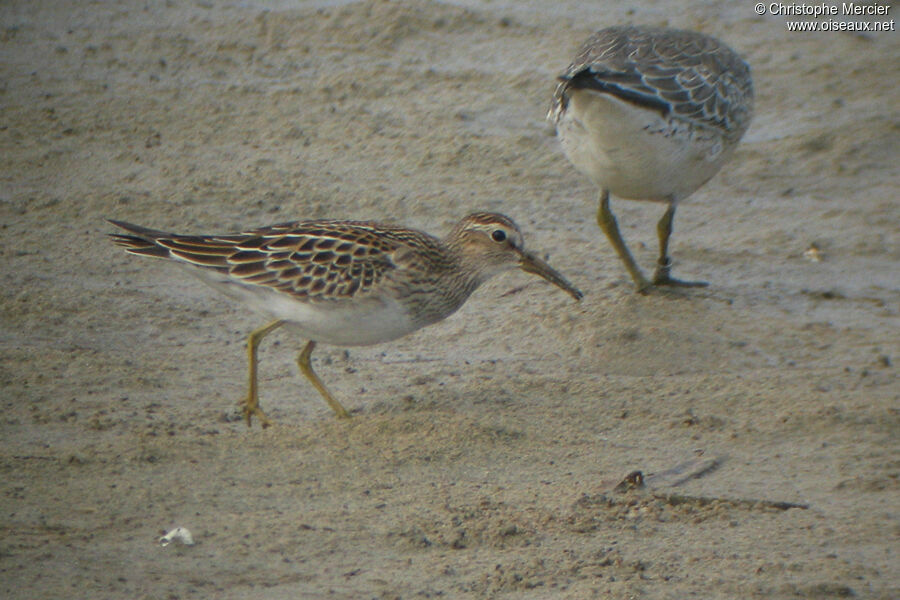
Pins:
x,y
662,277
665,279
250,408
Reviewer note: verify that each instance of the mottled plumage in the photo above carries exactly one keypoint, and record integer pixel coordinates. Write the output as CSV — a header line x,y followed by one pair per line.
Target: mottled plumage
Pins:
x,y
348,283
311,261
651,114
679,74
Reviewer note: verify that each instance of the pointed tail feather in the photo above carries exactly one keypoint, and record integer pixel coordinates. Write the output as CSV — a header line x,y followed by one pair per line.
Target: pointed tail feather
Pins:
x,y
201,251
139,231
143,242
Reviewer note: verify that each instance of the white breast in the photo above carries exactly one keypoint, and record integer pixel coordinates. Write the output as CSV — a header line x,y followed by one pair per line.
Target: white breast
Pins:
x,y
359,322
634,152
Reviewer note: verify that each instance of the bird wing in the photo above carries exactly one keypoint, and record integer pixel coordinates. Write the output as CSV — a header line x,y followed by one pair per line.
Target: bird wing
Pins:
x,y
306,259
677,73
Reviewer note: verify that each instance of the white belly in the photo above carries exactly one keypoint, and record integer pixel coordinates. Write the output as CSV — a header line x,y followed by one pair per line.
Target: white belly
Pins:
x,y
340,322
635,153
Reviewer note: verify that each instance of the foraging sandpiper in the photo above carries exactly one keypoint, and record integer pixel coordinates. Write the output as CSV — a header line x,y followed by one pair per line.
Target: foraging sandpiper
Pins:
x,y
348,283
651,114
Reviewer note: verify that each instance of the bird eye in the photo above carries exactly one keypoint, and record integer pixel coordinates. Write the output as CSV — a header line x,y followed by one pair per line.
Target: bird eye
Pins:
x,y
498,235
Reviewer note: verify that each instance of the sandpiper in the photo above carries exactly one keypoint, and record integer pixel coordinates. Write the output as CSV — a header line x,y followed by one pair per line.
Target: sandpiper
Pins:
x,y
651,114
348,283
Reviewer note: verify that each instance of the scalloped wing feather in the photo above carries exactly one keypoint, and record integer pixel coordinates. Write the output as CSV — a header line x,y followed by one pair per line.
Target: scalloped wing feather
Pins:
x,y
306,259
678,73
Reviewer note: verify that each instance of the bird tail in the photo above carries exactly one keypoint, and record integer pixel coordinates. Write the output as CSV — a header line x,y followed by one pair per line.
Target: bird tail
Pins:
x,y
143,240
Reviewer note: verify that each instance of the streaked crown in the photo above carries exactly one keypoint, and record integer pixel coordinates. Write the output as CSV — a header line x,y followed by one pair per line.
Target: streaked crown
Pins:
x,y
489,238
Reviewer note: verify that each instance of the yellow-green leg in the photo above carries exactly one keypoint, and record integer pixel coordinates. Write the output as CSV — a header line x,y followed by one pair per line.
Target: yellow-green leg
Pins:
x,y
607,222
251,402
306,369
664,263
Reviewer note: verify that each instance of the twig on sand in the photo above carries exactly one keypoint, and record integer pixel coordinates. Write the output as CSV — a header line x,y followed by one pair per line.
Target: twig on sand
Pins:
x,y
683,472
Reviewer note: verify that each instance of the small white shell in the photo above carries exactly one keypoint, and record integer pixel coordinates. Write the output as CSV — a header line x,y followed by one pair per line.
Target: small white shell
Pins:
x,y
179,534
813,253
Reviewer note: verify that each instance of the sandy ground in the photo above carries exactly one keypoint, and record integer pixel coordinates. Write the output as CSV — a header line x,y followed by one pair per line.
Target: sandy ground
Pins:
x,y
484,451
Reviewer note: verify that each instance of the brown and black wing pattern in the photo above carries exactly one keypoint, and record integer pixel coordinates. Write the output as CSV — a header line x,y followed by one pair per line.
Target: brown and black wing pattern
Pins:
x,y
310,260
678,73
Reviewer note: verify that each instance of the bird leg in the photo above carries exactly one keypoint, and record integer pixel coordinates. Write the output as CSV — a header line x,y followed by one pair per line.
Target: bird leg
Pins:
x,y
664,263
251,402
607,222
306,369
